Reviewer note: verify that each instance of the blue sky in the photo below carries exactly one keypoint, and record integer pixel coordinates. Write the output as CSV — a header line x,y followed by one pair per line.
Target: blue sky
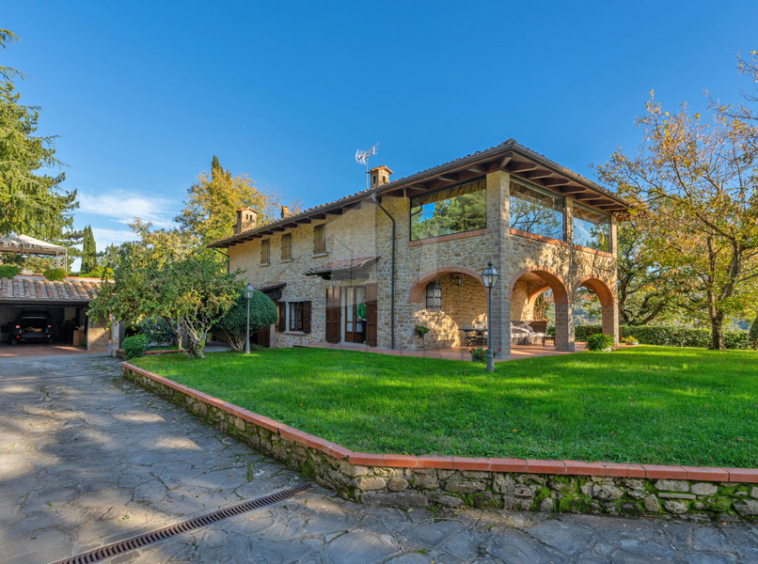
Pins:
x,y
142,94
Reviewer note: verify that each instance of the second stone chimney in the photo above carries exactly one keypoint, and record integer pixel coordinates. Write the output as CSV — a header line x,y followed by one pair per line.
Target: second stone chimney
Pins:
x,y
247,219
285,212
380,175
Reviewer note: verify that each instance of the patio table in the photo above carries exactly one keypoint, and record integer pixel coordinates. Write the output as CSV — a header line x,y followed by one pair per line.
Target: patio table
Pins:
x,y
475,337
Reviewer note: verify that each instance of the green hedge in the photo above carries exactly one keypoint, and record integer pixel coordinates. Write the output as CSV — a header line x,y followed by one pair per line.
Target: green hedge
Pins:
x,y
669,336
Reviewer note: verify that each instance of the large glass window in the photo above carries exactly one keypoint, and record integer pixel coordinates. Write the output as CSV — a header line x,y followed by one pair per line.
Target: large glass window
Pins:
x,y
452,210
536,211
592,228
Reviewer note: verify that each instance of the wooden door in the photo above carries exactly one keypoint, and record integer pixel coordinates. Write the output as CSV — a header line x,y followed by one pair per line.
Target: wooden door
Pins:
x,y
371,315
333,315
262,337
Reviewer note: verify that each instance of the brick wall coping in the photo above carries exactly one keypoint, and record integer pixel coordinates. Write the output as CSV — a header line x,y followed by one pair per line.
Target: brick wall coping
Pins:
x,y
523,466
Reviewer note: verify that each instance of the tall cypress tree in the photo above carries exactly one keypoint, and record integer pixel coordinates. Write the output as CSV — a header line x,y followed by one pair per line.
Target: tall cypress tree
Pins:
x,y
89,251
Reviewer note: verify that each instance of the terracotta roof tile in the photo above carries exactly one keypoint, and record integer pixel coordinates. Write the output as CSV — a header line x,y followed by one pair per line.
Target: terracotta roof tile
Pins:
x,y
24,287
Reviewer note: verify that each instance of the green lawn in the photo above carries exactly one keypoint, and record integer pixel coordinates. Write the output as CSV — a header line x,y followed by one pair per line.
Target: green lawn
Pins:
x,y
646,404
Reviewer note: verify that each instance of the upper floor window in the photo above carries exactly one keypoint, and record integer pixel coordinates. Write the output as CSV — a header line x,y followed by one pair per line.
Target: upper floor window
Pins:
x,y
287,246
434,296
592,228
265,251
452,210
536,211
319,239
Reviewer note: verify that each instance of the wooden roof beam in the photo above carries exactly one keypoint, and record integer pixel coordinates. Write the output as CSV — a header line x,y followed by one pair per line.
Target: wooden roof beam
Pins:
x,y
522,167
478,169
537,174
449,177
556,182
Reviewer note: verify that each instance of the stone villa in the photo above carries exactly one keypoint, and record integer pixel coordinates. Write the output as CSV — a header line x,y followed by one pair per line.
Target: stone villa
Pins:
x,y
368,268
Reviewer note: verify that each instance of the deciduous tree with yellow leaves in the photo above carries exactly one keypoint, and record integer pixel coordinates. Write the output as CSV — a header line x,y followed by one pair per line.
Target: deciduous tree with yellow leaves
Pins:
x,y
694,187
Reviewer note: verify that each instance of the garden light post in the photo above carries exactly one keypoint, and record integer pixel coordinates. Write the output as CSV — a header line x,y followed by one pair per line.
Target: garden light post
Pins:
x,y
249,295
490,276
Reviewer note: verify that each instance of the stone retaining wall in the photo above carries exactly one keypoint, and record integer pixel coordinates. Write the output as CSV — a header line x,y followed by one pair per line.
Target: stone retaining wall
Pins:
x,y
541,485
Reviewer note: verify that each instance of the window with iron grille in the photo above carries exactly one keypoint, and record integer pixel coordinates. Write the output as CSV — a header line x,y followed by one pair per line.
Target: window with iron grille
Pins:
x,y
434,296
265,251
287,246
319,239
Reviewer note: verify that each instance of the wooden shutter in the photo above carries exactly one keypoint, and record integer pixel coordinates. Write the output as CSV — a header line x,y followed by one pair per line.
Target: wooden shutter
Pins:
x,y
265,251
333,315
281,321
306,317
286,246
262,338
319,239
371,315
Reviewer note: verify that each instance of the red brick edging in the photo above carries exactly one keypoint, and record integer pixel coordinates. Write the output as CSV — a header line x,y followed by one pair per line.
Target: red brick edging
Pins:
x,y
524,466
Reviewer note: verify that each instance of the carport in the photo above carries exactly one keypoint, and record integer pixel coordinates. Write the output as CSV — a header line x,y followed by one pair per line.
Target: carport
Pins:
x,y
66,302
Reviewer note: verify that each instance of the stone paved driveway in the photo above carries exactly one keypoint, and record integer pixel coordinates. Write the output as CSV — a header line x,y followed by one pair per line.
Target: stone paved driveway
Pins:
x,y
87,459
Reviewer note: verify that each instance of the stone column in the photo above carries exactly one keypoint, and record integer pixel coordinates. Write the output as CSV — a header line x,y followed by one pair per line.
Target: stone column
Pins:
x,y
564,326
611,317
568,221
564,313
498,224
611,321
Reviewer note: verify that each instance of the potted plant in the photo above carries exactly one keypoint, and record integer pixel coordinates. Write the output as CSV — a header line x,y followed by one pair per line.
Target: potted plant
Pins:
x,y
421,331
631,341
478,354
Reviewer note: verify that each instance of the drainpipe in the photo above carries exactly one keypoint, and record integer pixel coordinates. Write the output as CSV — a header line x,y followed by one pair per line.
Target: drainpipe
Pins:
x,y
392,283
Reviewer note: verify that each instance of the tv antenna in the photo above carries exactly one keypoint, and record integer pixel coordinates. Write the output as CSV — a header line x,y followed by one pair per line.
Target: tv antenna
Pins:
x,y
361,157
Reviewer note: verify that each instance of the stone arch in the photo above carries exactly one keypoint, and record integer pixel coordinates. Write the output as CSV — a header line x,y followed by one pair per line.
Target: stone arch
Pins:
x,y
552,279
601,287
531,298
564,329
605,294
419,285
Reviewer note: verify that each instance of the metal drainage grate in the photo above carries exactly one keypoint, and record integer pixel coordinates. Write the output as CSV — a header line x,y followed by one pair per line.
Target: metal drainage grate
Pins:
x,y
171,531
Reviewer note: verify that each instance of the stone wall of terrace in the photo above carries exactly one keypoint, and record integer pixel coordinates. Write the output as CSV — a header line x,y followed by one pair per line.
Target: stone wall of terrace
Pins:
x,y
540,485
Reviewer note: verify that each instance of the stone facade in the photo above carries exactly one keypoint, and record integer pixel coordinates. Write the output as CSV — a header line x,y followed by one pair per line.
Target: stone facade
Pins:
x,y
365,231
538,485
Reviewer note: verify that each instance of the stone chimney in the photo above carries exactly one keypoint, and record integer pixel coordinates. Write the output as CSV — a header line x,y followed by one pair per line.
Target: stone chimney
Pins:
x,y
247,218
380,175
285,212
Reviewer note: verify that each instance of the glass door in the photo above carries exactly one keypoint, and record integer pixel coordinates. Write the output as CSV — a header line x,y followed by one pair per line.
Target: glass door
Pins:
x,y
355,314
